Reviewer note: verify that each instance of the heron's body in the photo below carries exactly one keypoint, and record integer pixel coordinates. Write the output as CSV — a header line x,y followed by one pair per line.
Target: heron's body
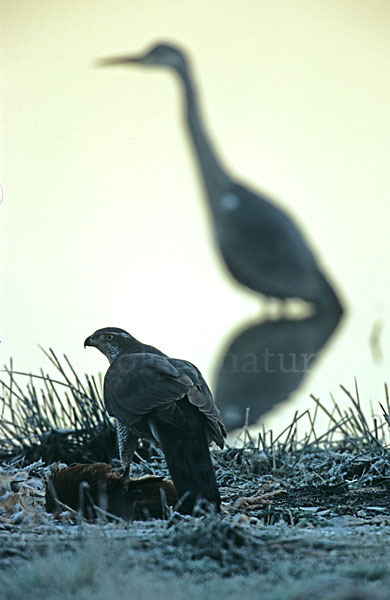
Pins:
x,y
167,401
260,244
280,251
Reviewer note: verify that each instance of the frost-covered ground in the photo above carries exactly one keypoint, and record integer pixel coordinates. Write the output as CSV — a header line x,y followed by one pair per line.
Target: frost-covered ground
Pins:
x,y
205,559
325,535
304,517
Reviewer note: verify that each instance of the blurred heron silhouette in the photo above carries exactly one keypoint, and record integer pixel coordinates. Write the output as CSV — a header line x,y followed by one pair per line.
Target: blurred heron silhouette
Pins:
x,y
261,245
264,363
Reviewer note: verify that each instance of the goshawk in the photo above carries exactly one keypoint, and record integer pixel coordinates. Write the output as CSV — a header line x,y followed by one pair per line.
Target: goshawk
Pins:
x,y
167,401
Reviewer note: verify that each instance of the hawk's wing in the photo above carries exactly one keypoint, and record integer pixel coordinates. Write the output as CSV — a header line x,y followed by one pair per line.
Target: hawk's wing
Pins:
x,y
200,396
138,385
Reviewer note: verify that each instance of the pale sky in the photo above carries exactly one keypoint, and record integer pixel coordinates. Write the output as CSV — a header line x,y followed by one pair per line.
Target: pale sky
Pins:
x,y
103,220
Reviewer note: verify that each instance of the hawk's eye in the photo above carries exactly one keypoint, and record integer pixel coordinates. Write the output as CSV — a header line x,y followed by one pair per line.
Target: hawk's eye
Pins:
x,y
109,337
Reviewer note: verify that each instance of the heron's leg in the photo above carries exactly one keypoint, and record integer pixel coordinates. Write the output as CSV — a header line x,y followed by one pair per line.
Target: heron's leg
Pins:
x,y
127,443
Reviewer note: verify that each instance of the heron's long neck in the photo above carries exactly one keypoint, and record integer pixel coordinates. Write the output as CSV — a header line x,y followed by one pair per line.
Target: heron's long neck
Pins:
x,y
214,176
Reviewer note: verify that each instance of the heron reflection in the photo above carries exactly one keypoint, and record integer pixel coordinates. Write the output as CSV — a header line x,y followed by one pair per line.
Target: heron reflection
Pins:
x,y
266,362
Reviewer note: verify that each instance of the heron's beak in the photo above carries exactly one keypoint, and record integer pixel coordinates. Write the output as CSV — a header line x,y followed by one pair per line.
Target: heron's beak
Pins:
x,y
119,60
89,342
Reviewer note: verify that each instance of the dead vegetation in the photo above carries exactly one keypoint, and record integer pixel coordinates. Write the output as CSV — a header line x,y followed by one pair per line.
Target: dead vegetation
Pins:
x,y
304,515
54,419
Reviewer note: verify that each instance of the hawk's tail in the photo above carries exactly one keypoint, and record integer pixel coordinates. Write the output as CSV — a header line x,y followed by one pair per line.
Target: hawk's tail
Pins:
x,y
188,458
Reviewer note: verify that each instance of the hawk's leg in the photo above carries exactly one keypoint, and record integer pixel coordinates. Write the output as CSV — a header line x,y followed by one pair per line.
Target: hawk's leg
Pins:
x,y
127,443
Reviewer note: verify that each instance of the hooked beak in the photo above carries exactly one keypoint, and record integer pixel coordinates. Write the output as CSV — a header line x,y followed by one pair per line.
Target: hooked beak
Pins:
x,y
119,60
89,342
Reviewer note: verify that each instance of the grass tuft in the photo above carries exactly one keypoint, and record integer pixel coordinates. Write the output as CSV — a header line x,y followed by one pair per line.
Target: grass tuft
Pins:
x,y
54,419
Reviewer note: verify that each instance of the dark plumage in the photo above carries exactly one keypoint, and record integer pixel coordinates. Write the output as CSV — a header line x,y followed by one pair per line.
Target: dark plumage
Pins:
x,y
165,400
261,245
134,499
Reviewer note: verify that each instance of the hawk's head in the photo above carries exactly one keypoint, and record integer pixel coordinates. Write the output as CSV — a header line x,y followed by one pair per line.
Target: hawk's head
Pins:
x,y
111,341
